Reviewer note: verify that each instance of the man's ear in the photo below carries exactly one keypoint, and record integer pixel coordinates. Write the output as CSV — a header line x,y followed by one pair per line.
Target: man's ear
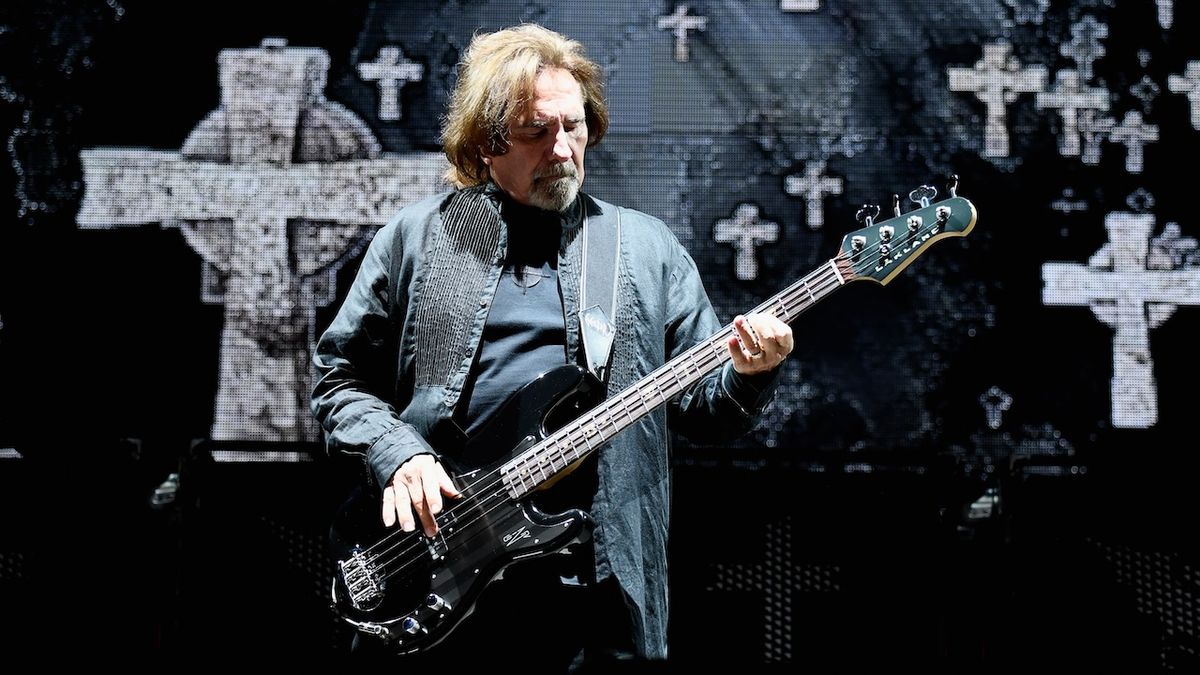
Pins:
x,y
495,149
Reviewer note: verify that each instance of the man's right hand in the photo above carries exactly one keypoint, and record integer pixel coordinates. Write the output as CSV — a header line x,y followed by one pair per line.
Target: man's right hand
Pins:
x,y
417,487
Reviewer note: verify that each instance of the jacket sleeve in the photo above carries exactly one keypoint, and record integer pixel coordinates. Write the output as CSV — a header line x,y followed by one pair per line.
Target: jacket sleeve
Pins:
x,y
725,404
356,365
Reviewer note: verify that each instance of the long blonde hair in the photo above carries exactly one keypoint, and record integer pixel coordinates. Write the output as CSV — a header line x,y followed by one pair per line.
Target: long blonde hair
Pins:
x,y
496,82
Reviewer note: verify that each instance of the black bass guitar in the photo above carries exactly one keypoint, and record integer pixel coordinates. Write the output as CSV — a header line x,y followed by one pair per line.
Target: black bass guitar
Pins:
x,y
410,590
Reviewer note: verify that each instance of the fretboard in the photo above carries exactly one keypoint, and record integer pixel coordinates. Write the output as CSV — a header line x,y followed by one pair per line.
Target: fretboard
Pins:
x,y
563,448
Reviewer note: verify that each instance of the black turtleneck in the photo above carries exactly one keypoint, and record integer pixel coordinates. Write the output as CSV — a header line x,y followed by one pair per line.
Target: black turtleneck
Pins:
x,y
525,333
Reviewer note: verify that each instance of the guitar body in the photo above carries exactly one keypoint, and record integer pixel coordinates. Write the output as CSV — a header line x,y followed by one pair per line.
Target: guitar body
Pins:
x,y
410,590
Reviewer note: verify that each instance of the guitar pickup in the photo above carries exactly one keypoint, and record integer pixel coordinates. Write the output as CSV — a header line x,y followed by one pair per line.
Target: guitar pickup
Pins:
x,y
436,545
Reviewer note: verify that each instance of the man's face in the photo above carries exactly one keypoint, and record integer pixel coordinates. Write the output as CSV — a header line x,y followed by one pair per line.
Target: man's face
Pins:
x,y
544,163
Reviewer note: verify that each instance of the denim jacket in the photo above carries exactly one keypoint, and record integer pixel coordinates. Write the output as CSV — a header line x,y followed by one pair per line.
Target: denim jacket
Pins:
x,y
369,401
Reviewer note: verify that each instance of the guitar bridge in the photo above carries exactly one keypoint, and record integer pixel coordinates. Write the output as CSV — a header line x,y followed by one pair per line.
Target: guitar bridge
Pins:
x,y
362,581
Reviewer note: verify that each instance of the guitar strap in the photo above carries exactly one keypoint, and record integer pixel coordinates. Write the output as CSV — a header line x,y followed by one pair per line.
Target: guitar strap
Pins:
x,y
598,290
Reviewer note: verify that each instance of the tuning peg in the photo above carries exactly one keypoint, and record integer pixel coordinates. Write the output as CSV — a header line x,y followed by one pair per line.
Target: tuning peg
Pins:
x,y
923,195
896,205
952,185
866,215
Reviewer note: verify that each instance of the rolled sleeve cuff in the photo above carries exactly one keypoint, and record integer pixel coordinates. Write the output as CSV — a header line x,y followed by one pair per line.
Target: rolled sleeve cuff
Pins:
x,y
394,448
751,393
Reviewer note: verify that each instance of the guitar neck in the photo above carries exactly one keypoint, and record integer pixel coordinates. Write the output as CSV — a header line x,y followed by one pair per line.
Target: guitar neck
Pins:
x,y
876,252
578,439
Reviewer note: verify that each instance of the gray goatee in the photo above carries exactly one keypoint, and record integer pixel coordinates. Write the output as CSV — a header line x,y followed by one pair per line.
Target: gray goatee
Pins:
x,y
555,188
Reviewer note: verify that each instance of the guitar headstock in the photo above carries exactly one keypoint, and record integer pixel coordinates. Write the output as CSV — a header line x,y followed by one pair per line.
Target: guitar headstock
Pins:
x,y
880,251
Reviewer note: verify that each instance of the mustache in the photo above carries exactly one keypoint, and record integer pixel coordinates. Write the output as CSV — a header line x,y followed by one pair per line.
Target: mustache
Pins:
x,y
562,170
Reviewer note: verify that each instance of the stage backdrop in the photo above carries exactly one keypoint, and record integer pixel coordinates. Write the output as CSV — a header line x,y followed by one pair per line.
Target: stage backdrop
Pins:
x,y
189,188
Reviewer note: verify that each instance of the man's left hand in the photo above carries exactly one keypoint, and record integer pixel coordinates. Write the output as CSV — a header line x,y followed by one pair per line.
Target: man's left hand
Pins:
x,y
760,344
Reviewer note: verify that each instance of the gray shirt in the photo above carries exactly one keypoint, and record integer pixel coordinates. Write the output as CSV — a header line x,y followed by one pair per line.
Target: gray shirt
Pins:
x,y
525,333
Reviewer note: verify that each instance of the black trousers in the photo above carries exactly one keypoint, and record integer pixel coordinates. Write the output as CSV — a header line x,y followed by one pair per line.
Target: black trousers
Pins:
x,y
529,622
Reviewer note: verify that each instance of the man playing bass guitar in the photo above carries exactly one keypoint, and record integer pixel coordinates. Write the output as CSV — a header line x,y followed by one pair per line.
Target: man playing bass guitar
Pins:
x,y
465,298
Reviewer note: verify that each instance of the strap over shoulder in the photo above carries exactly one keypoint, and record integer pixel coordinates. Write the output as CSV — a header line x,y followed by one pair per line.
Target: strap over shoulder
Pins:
x,y
598,294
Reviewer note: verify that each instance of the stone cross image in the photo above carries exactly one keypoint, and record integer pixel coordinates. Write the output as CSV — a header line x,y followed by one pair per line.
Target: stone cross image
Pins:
x,y
392,71
1067,203
813,185
1145,90
780,579
744,231
1084,47
995,402
1069,96
680,23
275,190
1135,134
1188,84
1130,296
997,79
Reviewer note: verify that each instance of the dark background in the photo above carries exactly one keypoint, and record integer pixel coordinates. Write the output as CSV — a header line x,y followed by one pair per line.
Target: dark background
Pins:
x,y
851,537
